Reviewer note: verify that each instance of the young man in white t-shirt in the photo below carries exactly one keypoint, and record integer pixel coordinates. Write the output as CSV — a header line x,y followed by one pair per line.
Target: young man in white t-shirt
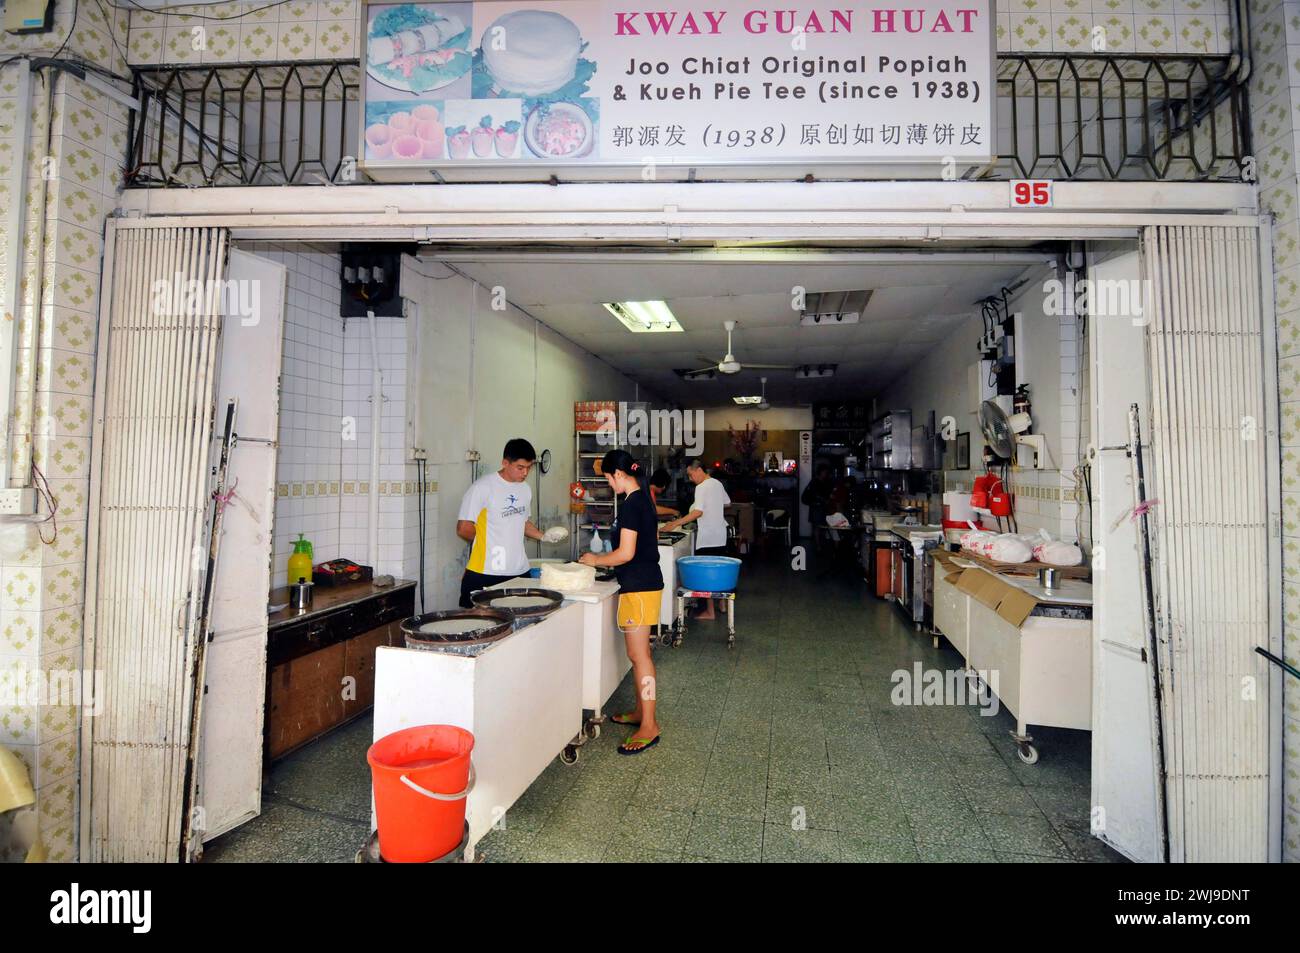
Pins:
x,y
493,517
711,534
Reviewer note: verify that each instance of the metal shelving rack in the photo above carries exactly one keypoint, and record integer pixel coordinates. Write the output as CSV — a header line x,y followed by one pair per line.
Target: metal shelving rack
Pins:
x,y
588,447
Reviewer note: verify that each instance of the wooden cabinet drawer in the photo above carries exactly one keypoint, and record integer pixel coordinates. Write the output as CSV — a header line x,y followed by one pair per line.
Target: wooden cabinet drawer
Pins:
x,y
359,664
305,698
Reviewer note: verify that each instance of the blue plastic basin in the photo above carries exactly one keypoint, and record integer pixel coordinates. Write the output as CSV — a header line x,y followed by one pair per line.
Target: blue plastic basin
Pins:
x,y
708,573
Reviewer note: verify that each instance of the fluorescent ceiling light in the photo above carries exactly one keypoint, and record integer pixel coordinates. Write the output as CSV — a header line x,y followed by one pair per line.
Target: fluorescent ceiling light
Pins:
x,y
748,400
643,316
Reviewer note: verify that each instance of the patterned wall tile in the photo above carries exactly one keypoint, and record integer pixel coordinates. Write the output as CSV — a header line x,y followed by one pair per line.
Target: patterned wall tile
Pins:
x,y
297,41
64,415
19,725
1155,33
71,287
56,760
62,586
68,329
146,46
1272,120
58,815
1287,290
1286,244
258,41
1119,31
221,43
64,458
337,39
184,44
1290,433
1031,32
20,634
1072,32
61,628
20,590
1196,34
1280,200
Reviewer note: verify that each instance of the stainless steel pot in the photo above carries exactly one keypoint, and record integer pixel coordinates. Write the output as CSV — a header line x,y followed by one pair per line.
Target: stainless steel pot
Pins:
x,y
300,596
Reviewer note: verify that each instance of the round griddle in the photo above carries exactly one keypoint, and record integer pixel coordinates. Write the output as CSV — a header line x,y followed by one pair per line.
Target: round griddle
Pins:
x,y
493,599
432,631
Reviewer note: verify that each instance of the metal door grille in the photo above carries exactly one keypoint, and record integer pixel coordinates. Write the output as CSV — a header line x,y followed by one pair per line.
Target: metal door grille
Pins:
x,y
159,330
1209,451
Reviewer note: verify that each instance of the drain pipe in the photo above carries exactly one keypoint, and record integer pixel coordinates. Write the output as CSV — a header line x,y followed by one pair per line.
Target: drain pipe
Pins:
x,y
376,426
14,501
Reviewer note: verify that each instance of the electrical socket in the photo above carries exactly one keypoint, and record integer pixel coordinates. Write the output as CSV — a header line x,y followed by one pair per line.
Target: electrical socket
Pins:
x,y
20,502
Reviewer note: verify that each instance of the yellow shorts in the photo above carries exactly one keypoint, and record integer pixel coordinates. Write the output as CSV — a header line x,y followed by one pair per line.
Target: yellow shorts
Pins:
x,y
636,609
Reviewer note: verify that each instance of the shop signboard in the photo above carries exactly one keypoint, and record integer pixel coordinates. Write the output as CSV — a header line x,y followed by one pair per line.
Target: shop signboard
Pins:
x,y
642,90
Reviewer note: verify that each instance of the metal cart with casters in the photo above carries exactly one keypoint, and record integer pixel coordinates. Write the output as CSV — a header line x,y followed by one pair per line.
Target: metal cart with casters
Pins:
x,y
678,631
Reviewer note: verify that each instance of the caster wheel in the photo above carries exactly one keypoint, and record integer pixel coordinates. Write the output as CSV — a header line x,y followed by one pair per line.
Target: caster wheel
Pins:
x,y
731,643
592,730
1028,754
677,642
569,755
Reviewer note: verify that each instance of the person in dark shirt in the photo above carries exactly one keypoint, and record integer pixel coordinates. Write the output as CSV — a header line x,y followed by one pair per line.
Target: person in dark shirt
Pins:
x,y
635,561
660,480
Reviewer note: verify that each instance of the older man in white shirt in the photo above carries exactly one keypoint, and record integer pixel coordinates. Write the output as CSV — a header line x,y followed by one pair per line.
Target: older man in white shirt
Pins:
x,y
708,508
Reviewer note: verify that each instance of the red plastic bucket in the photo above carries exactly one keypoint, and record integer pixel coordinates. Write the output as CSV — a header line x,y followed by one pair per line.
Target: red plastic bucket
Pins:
x,y
421,778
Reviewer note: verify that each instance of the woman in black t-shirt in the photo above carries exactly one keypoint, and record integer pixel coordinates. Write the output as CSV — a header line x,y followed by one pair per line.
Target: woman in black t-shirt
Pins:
x,y
635,560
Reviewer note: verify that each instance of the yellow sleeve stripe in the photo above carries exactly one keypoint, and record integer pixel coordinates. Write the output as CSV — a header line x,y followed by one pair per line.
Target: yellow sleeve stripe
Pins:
x,y
478,554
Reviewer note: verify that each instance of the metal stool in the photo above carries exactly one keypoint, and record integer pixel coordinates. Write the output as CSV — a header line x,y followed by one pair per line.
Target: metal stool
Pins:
x,y
679,629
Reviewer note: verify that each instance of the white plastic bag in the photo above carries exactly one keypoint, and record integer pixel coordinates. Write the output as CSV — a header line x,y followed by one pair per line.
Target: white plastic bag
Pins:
x,y
1058,552
1009,548
556,534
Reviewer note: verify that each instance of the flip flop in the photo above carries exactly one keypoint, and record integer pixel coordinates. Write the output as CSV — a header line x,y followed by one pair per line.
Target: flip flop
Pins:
x,y
624,749
624,720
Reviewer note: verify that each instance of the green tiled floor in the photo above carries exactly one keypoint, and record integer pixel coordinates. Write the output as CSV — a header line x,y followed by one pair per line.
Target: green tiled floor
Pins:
x,y
785,748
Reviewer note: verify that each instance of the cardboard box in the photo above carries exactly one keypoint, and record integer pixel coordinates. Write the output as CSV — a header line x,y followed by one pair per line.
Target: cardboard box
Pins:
x,y
1011,603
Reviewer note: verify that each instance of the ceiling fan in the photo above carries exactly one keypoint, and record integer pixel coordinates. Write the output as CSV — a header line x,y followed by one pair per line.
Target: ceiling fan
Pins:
x,y
729,364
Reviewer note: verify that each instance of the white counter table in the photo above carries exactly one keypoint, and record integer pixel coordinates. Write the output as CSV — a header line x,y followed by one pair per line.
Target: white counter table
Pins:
x,y
521,699
1041,669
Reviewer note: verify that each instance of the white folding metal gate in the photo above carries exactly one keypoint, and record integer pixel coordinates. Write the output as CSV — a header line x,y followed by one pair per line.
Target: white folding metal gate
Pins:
x,y
1215,536
158,343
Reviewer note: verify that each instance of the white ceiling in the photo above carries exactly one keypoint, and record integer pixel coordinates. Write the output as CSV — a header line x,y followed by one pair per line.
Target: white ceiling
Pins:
x,y
915,303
